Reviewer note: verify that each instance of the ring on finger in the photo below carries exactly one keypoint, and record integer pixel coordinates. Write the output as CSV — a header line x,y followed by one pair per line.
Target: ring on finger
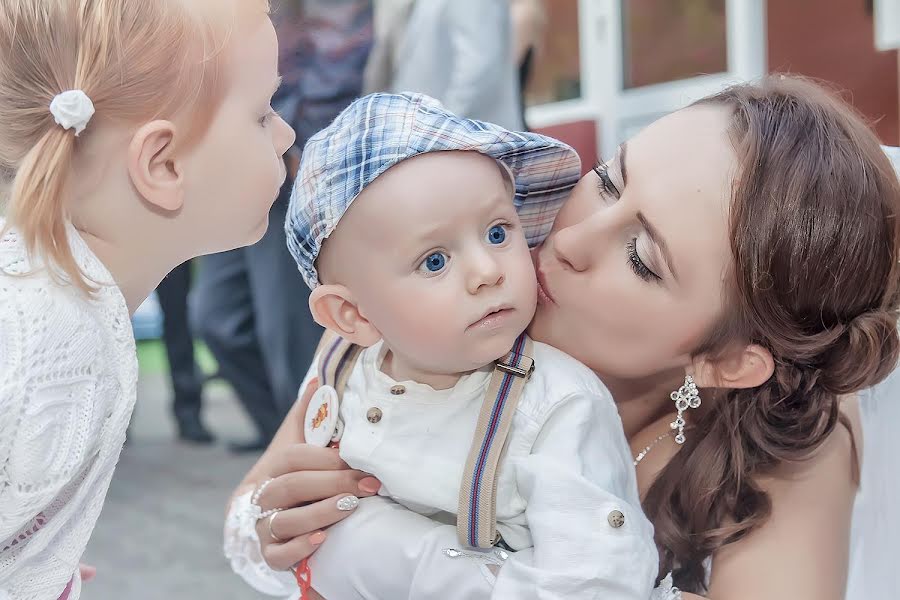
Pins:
x,y
271,521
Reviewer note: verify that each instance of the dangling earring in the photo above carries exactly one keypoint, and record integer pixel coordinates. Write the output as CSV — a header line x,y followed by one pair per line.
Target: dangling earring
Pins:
x,y
686,397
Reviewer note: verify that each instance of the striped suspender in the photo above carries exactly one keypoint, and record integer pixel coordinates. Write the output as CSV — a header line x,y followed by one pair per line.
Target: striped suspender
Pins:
x,y
476,520
338,356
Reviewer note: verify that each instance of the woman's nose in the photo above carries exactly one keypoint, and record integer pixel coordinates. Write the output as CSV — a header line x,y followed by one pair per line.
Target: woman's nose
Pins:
x,y
574,246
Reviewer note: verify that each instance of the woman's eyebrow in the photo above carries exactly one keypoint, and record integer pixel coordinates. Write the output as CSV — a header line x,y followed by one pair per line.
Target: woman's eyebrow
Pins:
x,y
622,166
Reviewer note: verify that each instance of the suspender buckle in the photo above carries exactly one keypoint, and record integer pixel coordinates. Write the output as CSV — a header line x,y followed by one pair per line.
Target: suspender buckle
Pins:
x,y
524,370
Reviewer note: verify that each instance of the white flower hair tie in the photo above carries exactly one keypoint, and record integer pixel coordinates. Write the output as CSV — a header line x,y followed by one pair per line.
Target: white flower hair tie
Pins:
x,y
72,110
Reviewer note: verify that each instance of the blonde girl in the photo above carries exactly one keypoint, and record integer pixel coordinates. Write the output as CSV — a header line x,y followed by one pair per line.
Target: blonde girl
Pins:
x,y
134,135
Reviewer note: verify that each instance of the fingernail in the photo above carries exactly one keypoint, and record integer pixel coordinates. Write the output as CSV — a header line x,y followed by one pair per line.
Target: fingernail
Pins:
x,y
347,503
369,485
317,538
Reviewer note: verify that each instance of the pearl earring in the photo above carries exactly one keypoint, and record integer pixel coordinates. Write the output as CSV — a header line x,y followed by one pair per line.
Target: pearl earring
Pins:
x,y
685,397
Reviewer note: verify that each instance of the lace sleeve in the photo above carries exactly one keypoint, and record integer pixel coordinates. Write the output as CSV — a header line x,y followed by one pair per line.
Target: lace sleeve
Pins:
x,y
243,551
242,548
666,591
54,462
50,394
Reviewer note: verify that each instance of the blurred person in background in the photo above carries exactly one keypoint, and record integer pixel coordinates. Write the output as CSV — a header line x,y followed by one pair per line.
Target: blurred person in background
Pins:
x,y
390,18
529,23
185,374
250,307
457,51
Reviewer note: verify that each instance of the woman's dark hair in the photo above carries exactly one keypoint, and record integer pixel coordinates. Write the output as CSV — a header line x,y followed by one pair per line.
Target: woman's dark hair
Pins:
x,y
814,232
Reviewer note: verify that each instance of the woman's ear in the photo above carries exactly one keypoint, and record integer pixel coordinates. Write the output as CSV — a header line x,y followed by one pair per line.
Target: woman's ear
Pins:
x,y
153,167
748,366
333,307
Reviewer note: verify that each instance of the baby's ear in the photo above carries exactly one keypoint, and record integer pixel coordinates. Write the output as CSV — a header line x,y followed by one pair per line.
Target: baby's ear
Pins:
x,y
333,307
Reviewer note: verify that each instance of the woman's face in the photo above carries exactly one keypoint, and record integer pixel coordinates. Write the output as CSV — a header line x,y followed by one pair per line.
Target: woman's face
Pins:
x,y
632,274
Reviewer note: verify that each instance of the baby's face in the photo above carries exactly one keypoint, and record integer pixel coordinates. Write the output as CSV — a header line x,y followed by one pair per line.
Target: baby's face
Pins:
x,y
436,259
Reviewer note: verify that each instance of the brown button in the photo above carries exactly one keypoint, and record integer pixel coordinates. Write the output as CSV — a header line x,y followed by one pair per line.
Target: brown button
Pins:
x,y
398,390
616,519
374,415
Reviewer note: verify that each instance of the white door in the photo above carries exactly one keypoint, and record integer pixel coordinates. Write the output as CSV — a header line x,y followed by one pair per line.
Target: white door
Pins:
x,y
641,57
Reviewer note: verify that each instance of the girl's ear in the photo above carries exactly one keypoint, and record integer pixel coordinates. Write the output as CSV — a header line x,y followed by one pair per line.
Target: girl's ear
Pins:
x,y
153,167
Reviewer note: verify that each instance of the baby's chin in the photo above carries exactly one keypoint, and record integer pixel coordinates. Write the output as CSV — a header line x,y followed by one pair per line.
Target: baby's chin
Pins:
x,y
475,349
486,351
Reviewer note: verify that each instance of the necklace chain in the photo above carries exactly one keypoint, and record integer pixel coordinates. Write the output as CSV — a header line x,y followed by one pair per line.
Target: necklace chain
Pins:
x,y
640,456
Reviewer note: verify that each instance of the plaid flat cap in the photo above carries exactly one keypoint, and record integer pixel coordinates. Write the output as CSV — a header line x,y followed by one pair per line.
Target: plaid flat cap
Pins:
x,y
380,130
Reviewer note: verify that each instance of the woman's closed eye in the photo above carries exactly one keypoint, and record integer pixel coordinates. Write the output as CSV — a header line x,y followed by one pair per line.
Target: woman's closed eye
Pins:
x,y
637,264
605,183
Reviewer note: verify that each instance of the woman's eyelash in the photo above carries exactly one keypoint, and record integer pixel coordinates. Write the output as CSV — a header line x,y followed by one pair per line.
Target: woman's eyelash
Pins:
x,y
637,265
605,183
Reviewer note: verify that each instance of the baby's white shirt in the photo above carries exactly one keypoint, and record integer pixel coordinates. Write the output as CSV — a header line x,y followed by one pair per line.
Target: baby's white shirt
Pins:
x,y
567,467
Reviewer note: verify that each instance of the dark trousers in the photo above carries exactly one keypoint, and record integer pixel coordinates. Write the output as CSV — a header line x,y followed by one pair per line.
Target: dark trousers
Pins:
x,y
250,306
187,380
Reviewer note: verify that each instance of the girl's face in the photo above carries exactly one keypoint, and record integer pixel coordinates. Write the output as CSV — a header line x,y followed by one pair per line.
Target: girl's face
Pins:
x,y
632,274
235,172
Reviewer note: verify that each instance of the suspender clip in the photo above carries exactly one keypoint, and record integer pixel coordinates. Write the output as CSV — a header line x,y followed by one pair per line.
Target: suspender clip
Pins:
x,y
524,370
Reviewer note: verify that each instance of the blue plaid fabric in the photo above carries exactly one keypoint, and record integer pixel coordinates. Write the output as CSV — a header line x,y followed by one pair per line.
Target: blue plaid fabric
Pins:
x,y
380,130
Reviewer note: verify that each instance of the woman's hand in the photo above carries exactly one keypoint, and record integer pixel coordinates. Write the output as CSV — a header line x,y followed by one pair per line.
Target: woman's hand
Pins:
x,y
307,483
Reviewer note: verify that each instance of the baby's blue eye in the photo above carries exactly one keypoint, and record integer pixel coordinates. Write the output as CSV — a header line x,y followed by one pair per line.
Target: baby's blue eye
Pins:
x,y
496,234
435,262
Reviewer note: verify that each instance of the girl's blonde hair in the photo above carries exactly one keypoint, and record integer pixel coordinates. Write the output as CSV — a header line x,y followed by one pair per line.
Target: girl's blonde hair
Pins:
x,y
137,60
